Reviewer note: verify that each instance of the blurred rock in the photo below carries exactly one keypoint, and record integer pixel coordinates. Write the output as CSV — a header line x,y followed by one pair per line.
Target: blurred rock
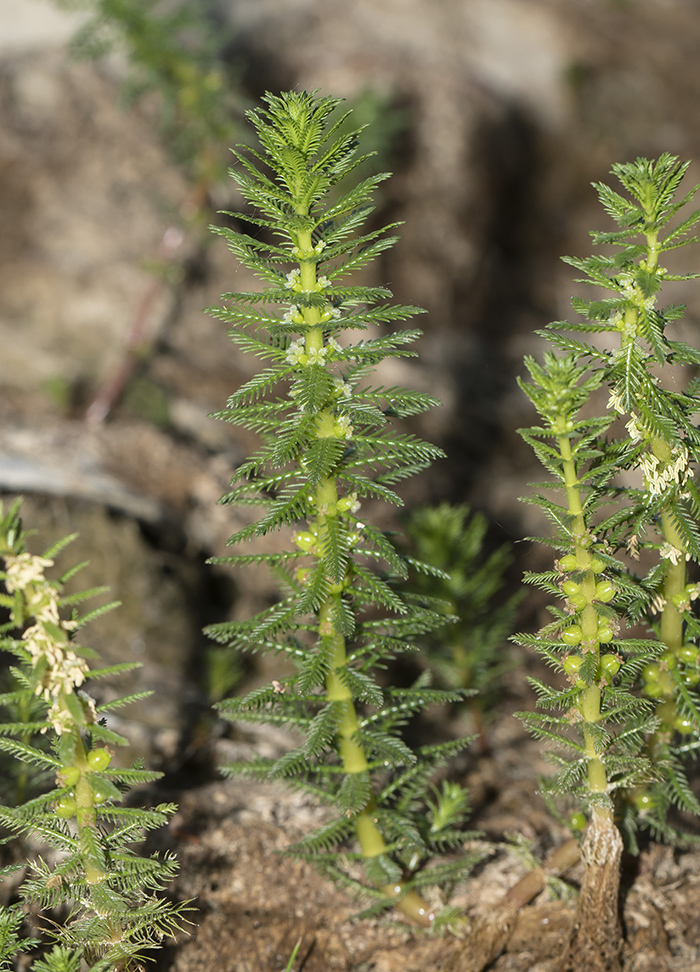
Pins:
x,y
495,116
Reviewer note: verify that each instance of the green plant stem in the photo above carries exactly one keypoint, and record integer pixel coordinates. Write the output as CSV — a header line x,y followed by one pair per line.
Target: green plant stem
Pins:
x,y
589,706
85,812
675,578
352,752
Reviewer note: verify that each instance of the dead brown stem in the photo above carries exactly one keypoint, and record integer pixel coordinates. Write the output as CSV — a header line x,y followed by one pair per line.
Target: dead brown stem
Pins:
x,y
596,938
490,935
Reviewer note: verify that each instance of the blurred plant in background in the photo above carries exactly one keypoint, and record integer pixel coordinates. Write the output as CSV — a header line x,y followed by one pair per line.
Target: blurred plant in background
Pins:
x,y
175,52
471,651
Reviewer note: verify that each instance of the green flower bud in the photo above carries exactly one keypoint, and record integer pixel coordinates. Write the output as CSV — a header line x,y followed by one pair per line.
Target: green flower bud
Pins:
x,y
643,800
304,540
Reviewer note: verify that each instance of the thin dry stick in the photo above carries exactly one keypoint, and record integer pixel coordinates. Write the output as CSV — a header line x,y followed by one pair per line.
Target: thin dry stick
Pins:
x,y
491,933
138,344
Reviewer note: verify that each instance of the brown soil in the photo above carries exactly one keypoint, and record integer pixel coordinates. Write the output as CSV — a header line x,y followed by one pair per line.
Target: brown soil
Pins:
x,y
253,903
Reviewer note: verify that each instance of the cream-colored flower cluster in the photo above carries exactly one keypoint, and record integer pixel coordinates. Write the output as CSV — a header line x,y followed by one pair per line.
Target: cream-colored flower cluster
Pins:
x,y
47,640
659,475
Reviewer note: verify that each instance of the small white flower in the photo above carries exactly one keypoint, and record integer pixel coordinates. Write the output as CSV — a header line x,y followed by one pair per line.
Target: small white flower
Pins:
x,y
342,388
40,645
635,433
47,612
615,401
343,428
658,604
332,343
317,356
669,552
60,718
67,672
293,316
295,352
294,279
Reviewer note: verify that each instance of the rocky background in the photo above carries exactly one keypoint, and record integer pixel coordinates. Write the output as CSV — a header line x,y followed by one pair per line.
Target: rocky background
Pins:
x,y
495,115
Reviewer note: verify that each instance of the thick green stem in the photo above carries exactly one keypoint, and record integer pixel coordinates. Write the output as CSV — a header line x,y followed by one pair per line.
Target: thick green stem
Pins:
x,y
589,706
85,813
352,753
675,578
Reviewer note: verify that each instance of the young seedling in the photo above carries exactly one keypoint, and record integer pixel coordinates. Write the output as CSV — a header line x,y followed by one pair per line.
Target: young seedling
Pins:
x,y
627,717
327,448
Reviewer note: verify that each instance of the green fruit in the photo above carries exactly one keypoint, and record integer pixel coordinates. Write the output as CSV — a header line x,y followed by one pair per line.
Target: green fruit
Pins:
x,y
70,774
688,653
304,540
651,672
644,800
604,591
690,678
66,807
568,562
578,821
605,633
669,658
572,664
100,794
597,565
572,636
683,725
99,759
571,588
578,601
610,664
653,690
